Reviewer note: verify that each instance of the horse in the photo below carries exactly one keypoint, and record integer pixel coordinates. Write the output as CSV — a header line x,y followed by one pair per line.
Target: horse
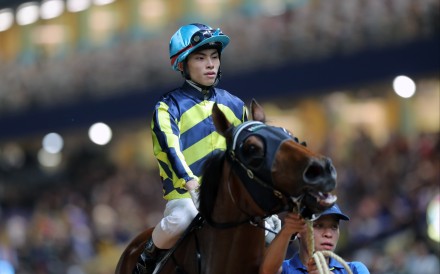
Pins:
x,y
264,171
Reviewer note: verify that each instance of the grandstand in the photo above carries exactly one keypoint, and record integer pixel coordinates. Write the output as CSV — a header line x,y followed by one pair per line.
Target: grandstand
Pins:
x,y
322,68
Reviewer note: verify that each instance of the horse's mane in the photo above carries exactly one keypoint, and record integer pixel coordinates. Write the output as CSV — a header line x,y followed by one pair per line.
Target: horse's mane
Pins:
x,y
212,174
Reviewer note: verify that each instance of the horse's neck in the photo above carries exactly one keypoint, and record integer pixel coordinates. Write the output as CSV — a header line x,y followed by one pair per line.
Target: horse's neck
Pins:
x,y
240,247
230,244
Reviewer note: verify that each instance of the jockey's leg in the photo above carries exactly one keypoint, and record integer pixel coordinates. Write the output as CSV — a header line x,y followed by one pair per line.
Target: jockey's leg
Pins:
x,y
178,215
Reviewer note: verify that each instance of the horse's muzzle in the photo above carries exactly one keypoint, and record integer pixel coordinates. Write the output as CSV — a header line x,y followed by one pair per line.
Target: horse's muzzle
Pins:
x,y
320,175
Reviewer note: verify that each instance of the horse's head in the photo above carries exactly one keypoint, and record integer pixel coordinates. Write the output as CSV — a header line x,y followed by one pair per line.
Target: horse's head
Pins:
x,y
278,172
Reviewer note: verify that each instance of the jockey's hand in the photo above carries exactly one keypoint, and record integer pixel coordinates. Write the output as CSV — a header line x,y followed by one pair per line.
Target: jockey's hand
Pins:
x,y
273,226
273,222
192,184
192,187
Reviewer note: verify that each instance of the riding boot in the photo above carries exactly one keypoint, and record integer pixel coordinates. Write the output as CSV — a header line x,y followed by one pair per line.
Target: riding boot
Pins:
x,y
148,258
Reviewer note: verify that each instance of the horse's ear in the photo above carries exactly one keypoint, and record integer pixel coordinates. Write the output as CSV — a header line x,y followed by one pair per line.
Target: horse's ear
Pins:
x,y
257,112
220,121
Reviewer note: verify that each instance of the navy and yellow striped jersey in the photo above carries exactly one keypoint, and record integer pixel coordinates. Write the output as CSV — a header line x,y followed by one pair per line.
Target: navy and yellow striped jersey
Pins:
x,y
184,135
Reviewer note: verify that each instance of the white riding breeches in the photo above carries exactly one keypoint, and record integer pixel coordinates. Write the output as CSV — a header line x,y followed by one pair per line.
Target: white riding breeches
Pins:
x,y
178,214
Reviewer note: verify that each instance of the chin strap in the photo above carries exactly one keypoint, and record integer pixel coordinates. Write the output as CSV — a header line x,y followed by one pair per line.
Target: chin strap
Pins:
x,y
203,89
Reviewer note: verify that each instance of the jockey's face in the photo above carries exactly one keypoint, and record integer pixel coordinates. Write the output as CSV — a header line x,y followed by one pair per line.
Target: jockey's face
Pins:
x,y
203,66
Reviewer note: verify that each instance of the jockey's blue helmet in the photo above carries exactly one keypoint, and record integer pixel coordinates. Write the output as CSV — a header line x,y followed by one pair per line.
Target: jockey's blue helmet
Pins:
x,y
192,37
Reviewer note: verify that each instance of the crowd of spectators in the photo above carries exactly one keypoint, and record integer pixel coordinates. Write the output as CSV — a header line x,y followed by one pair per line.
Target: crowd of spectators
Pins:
x,y
305,32
80,222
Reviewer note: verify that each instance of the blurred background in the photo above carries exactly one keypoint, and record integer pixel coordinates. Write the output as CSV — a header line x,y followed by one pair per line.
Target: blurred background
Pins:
x,y
358,80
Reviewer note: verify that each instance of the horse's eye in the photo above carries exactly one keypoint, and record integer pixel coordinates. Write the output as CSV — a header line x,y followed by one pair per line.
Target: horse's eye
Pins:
x,y
253,151
250,150
253,146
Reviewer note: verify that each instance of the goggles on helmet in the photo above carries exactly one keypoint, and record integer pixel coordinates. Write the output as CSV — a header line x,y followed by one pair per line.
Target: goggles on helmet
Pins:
x,y
201,35
196,39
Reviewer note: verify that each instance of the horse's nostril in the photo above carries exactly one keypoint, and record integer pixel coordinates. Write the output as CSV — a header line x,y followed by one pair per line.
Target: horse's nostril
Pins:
x,y
313,172
319,170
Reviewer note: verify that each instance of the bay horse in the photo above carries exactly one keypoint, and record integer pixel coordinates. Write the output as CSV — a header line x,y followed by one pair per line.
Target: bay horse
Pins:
x,y
264,171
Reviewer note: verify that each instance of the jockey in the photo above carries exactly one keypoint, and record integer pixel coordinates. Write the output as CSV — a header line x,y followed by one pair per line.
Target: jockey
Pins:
x,y
183,131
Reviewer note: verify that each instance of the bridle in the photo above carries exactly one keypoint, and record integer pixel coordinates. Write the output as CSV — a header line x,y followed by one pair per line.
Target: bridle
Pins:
x,y
258,180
